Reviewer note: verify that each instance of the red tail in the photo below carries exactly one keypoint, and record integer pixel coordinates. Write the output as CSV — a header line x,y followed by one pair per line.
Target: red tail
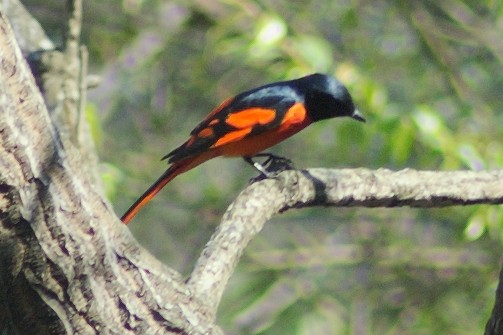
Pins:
x,y
165,178
174,170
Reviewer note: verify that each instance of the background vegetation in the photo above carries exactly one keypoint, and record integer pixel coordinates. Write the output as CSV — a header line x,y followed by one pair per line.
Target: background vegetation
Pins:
x,y
426,74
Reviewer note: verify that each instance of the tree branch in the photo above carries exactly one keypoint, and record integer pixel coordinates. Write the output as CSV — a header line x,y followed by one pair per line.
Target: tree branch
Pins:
x,y
29,34
247,215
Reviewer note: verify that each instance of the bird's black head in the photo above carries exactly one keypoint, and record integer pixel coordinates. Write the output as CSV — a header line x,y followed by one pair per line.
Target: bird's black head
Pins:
x,y
326,97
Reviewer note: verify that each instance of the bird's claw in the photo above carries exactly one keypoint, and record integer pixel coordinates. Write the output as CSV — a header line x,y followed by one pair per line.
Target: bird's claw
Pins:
x,y
271,167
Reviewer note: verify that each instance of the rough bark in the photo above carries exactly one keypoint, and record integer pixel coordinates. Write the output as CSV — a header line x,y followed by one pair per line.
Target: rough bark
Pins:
x,y
67,264
323,187
494,325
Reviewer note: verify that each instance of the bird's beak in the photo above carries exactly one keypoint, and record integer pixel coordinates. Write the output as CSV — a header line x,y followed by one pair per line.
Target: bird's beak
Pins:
x,y
358,116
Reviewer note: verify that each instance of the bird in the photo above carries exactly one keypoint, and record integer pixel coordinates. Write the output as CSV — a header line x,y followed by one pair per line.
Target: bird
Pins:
x,y
253,121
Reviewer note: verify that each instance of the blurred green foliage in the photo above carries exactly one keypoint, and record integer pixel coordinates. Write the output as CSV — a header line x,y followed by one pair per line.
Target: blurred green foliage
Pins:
x,y
426,74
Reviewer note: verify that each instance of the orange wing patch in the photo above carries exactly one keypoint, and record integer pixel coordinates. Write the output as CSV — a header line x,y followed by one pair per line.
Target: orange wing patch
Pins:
x,y
295,115
250,117
295,120
206,132
189,142
232,137
219,108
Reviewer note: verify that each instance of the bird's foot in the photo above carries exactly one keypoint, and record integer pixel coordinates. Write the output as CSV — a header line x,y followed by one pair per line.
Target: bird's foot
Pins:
x,y
271,167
